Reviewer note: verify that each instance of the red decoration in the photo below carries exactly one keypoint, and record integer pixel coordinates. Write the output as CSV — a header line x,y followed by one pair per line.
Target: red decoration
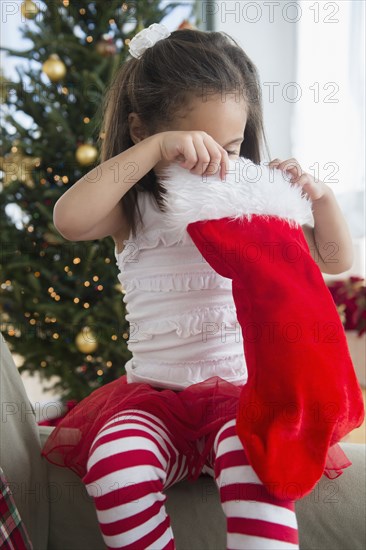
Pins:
x,y
302,395
185,24
55,421
350,297
106,47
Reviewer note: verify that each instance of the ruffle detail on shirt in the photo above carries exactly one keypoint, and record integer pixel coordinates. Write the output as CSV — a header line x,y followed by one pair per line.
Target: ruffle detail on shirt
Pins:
x,y
150,239
186,324
176,282
178,375
234,359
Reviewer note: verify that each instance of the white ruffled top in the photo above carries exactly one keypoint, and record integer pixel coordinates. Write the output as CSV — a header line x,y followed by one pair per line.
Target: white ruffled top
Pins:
x,y
183,323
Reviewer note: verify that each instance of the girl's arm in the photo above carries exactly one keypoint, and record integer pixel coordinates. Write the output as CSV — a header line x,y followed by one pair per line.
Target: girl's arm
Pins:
x,y
90,209
329,241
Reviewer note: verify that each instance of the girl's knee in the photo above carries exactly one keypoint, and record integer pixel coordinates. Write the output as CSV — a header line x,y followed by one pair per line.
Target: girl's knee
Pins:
x,y
124,467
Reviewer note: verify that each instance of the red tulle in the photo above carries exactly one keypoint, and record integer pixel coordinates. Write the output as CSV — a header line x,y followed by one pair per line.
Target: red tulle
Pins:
x,y
198,410
337,461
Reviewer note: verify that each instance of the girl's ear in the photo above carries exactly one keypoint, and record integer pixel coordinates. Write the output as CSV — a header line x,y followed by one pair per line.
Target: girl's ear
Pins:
x,y
137,129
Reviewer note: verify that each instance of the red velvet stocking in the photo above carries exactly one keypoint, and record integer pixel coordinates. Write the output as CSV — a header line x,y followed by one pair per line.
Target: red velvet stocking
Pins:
x,y
302,395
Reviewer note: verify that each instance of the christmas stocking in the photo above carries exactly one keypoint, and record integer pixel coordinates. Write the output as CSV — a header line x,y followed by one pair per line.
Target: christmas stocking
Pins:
x,y
302,395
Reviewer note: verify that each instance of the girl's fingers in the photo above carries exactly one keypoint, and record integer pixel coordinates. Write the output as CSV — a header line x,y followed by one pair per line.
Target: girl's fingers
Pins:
x,y
274,163
203,156
290,166
208,156
294,174
225,163
190,155
219,158
215,156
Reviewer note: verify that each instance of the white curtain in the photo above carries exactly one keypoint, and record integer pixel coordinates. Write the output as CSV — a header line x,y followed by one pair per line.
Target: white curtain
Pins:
x,y
328,130
329,115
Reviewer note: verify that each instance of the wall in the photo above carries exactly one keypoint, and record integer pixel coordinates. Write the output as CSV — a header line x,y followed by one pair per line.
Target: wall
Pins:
x,y
267,33
307,129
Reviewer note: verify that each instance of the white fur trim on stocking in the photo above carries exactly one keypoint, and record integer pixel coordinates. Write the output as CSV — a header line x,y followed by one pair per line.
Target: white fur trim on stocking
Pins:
x,y
247,189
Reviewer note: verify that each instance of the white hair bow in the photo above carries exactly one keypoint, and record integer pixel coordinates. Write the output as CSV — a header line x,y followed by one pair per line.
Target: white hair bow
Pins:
x,y
147,38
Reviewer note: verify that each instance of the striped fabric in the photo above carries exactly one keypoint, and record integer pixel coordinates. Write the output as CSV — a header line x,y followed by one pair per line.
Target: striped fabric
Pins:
x,y
256,520
13,533
134,458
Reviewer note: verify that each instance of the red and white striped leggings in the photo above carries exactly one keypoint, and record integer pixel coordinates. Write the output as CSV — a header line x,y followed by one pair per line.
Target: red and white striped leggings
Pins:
x,y
133,459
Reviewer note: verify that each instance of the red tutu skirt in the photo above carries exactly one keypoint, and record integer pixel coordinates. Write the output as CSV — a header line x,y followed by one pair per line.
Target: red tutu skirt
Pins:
x,y
197,411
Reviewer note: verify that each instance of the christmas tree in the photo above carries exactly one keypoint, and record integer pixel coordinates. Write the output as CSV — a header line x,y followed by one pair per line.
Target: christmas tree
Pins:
x,y
61,305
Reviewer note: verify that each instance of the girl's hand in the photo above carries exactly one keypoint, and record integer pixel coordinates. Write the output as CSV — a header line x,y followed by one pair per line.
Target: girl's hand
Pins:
x,y
315,189
196,151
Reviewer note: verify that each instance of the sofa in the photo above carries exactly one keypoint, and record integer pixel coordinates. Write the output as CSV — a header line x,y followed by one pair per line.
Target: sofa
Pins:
x,y
59,514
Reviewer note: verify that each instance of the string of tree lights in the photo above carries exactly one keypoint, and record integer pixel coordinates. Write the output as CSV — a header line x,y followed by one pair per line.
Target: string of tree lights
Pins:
x,y
61,304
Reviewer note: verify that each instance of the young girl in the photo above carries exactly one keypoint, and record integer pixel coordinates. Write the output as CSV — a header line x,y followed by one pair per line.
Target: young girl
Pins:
x,y
190,97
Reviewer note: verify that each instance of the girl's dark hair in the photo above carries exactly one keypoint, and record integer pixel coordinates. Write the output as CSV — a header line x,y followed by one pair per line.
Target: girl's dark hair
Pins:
x,y
158,87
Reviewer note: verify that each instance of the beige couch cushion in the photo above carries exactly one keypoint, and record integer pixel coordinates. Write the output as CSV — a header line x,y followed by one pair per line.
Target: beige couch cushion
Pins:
x,y
331,517
20,451
59,514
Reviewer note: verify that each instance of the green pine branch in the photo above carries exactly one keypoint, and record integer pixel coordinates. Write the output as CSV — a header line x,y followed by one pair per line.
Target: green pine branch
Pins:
x,y
44,302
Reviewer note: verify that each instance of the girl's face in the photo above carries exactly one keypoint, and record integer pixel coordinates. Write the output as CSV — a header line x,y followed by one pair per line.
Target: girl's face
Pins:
x,y
223,118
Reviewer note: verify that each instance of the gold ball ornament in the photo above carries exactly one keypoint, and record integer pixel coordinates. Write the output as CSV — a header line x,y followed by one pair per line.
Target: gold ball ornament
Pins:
x,y
86,154
4,317
54,68
86,341
29,9
106,47
18,167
